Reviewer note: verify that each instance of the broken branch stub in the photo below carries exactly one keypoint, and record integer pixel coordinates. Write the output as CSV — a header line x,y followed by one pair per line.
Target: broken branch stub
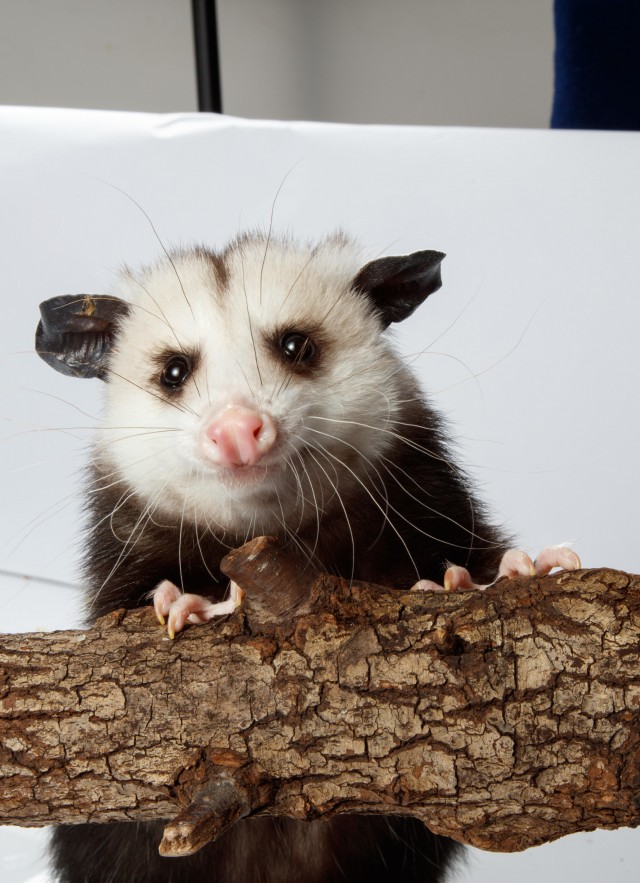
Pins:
x,y
503,718
279,585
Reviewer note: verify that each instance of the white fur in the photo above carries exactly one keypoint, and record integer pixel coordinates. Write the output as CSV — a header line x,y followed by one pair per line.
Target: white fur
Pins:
x,y
155,446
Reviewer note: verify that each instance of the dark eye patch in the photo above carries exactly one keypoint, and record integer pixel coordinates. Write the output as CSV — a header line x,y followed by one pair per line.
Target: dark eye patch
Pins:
x,y
173,370
299,349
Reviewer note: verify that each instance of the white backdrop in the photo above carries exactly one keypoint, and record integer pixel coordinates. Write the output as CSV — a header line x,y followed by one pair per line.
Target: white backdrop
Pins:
x,y
530,348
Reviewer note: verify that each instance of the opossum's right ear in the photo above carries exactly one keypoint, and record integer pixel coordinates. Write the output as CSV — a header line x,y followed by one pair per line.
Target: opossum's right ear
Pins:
x,y
76,332
397,285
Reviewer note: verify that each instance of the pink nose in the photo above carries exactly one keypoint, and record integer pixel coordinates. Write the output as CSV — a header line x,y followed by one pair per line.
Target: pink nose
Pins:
x,y
239,436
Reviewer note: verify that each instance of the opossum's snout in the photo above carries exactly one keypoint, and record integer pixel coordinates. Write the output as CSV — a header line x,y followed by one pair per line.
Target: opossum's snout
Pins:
x,y
238,436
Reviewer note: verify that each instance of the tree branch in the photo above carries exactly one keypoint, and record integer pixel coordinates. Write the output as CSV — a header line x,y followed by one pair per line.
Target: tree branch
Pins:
x,y
502,718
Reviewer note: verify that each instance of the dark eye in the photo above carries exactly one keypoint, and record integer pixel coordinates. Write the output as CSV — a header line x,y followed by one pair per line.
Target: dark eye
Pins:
x,y
297,347
175,371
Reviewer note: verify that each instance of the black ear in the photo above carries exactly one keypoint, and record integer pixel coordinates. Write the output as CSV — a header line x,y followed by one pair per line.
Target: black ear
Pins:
x,y
76,332
397,285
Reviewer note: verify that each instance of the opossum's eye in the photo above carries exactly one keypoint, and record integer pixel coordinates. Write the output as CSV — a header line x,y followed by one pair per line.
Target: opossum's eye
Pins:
x,y
175,371
297,347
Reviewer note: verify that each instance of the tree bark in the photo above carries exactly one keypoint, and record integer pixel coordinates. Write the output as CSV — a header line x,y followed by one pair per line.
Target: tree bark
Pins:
x,y
502,718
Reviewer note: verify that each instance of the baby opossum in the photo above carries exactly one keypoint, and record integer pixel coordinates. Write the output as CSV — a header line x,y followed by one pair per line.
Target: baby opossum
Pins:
x,y
253,391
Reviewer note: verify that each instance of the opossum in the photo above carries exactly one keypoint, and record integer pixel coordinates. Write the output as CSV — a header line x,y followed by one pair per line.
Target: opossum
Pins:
x,y
253,390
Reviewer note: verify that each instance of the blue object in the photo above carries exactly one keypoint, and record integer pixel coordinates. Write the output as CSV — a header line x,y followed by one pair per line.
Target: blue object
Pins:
x,y
597,64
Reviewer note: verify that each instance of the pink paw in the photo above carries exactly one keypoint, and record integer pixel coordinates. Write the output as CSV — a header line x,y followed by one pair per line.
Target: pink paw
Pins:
x,y
180,608
514,563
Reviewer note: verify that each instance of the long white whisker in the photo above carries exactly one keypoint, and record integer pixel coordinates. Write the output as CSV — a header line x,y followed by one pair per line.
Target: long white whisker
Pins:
x,y
316,508
151,224
310,450
95,487
200,549
469,530
407,441
320,448
130,543
155,395
246,301
184,505
288,532
273,208
162,316
502,358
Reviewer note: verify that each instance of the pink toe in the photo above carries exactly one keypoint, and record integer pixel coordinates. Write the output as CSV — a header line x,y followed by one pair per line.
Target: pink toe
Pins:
x,y
182,610
164,595
516,563
427,585
457,578
556,556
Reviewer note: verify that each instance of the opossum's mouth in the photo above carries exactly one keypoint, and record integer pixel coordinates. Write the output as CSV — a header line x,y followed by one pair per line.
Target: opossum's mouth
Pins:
x,y
244,476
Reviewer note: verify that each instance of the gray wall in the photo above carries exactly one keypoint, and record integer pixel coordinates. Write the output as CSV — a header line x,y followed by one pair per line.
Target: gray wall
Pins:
x,y
438,62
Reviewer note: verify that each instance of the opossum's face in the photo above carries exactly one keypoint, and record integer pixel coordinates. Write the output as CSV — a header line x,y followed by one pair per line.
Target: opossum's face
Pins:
x,y
251,389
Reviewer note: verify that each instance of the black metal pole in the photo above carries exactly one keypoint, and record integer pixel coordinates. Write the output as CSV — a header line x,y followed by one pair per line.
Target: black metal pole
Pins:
x,y
205,35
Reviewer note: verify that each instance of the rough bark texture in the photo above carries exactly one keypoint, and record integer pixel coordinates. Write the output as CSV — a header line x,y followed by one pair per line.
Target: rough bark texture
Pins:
x,y
502,718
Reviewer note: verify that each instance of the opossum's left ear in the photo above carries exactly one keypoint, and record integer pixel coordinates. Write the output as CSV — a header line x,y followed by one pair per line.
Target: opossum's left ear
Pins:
x,y
76,332
397,285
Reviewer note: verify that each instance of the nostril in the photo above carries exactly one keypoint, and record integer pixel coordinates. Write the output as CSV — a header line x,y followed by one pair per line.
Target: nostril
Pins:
x,y
250,422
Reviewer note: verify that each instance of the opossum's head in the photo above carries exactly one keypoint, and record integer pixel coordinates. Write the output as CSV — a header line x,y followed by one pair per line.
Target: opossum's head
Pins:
x,y
246,389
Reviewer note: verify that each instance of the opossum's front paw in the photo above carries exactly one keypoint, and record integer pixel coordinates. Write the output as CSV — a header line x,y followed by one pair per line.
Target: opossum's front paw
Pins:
x,y
177,608
514,563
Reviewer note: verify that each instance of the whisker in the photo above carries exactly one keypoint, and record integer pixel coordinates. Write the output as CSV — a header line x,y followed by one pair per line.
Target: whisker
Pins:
x,y
396,435
451,324
134,278
291,534
310,450
273,208
326,453
502,358
151,224
311,257
129,544
94,488
164,400
50,395
146,433
470,373
451,465
180,533
470,530
246,301
35,523
316,508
